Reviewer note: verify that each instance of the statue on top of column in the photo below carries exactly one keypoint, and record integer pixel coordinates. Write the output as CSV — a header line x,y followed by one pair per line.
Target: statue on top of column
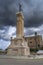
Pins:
x,y
20,7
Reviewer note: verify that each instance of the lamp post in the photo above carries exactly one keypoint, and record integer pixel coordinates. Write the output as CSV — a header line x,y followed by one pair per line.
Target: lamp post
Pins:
x,y
36,40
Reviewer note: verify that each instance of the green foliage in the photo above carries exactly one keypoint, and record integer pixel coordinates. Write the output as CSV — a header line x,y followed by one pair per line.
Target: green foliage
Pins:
x,y
33,50
41,48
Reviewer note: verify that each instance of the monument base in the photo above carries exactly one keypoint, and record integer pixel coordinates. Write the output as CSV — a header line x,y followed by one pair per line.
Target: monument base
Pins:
x,y
18,47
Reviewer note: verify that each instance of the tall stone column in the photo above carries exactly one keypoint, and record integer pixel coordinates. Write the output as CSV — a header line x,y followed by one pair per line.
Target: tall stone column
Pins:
x,y
20,25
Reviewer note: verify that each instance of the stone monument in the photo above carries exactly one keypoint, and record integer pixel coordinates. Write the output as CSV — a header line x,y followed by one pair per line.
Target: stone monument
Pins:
x,y
19,46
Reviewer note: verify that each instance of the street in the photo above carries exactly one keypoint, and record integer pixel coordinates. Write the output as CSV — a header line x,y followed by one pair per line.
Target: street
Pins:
x,y
12,61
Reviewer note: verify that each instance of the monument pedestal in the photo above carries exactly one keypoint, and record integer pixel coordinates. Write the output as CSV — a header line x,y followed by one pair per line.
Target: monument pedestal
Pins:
x,y
19,48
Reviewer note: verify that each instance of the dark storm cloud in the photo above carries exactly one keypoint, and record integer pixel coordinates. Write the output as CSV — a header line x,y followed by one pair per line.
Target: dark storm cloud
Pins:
x,y
7,16
33,13
33,16
32,9
34,21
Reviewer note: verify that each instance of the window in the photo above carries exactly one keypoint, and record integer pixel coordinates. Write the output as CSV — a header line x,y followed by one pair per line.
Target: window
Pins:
x,y
38,45
15,49
30,42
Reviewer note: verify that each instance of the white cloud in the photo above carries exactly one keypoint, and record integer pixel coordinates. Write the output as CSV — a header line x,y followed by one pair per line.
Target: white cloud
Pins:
x,y
6,34
10,31
31,31
4,44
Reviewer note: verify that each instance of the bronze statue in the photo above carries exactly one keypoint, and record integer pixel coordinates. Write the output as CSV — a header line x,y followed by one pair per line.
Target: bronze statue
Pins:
x,y
20,7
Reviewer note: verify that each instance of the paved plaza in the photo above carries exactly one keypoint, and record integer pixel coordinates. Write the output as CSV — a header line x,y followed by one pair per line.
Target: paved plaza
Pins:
x,y
12,61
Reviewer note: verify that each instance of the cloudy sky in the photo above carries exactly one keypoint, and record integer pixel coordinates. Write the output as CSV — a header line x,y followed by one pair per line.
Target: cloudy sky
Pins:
x,y
33,19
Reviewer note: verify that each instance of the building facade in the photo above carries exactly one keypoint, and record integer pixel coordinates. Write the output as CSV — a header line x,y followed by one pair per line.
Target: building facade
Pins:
x,y
34,41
